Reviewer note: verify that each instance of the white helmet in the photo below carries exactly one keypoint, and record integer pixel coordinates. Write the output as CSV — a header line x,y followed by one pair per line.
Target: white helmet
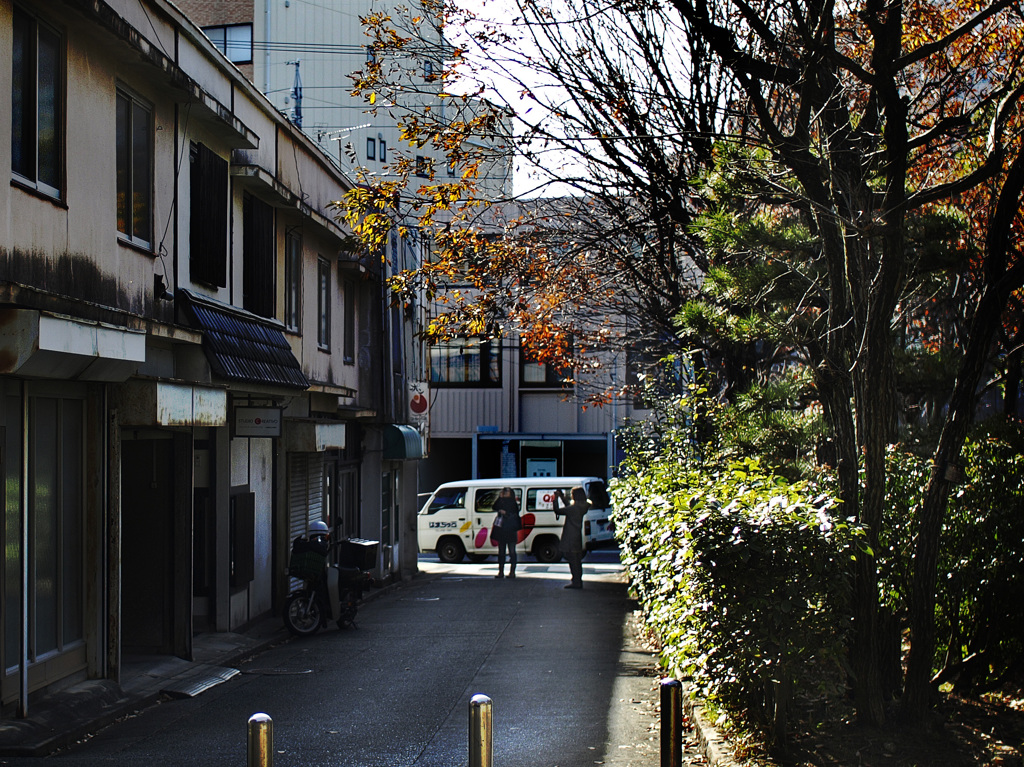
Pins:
x,y
318,527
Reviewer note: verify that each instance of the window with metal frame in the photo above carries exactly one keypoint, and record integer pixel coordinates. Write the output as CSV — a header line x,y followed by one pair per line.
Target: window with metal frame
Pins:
x,y
233,40
323,331
55,517
466,362
292,279
37,104
134,169
348,345
541,375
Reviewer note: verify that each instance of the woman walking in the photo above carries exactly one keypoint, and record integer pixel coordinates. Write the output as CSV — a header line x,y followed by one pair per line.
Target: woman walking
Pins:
x,y
505,530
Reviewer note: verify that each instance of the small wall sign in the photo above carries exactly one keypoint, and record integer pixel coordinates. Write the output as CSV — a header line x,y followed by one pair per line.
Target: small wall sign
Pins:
x,y
257,422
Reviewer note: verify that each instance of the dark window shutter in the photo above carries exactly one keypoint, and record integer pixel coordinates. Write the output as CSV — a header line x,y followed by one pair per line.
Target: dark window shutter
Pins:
x,y
258,256
208,237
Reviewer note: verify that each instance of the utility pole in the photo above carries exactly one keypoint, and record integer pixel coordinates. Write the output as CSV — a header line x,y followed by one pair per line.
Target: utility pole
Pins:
x,y
296,117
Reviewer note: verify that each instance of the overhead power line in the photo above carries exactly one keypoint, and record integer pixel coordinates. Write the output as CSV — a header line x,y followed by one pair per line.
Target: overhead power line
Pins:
x,y
326,48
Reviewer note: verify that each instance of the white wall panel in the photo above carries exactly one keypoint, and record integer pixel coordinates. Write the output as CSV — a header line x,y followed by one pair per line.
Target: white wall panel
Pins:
x,y
459,412
545,412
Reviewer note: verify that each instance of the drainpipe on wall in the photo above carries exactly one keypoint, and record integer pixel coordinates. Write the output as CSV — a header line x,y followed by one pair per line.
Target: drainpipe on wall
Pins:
x,y
23,670
112,542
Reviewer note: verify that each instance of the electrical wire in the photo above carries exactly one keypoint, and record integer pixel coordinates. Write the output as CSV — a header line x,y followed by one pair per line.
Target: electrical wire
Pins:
x,y
161,249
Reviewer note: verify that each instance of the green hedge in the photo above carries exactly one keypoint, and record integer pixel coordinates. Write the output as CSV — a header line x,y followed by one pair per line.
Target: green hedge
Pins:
x,y
743,577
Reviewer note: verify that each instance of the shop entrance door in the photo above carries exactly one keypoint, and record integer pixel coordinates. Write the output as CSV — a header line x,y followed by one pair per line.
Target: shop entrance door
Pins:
x,y
147,545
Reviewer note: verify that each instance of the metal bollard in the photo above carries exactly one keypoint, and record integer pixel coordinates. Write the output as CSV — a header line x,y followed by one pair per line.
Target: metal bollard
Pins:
x,y
671,723
480,732
261,741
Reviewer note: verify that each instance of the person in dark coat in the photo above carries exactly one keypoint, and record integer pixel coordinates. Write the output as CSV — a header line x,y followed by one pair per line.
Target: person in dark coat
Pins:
x,y
506,534
571,544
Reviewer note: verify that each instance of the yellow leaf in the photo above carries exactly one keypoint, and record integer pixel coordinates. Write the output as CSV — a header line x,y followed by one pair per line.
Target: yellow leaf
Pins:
x,y
373,98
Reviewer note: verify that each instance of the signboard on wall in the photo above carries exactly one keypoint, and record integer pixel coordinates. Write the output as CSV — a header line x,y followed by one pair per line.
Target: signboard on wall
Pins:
x,y
257,422
419,404
541,467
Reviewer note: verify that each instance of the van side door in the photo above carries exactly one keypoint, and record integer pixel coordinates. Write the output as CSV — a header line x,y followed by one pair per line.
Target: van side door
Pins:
x,y
483,518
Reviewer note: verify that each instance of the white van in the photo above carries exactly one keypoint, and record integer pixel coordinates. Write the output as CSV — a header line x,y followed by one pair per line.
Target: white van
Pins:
x,y
456,519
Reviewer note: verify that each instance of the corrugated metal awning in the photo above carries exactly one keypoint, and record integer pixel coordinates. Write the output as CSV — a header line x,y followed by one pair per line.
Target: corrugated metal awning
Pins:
x,y
240,346
402,443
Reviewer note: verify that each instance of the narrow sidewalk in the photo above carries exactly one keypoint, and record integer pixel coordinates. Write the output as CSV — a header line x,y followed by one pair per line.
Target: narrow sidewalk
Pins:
x,y
68,715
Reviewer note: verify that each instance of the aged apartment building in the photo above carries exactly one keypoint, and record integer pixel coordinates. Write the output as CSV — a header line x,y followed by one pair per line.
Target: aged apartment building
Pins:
x,y
194,362
490,411
302,56
273,41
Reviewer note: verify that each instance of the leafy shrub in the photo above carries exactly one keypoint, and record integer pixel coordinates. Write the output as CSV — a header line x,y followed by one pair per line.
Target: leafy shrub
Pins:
x,y
742,575
979,616
980,599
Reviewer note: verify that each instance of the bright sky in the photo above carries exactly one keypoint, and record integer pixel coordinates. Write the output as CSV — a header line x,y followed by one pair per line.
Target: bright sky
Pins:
x,y
505,77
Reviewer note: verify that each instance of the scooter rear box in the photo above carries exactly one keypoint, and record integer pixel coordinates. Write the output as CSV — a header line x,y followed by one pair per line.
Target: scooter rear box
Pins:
x,y
358,552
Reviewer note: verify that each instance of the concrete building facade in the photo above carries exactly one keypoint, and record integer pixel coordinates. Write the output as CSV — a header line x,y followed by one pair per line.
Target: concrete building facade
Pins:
x,y
194,360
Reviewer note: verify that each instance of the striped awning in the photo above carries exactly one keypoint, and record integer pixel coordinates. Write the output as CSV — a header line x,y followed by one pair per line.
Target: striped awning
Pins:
x,y
241,346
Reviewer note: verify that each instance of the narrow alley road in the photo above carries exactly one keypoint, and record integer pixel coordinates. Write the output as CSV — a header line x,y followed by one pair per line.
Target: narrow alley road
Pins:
x,y
569,686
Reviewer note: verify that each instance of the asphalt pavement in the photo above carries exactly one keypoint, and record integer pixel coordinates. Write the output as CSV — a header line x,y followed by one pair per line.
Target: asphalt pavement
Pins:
x,y
569,685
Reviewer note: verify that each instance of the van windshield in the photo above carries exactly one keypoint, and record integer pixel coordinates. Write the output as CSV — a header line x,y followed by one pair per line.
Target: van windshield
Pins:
x,y
448,498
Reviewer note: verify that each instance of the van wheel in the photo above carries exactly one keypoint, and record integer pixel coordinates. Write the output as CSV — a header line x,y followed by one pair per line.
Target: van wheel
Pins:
x,y
451,551
546,550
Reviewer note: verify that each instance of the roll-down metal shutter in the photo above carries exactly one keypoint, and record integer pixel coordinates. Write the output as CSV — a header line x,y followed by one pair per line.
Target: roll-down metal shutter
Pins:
x,y
305,491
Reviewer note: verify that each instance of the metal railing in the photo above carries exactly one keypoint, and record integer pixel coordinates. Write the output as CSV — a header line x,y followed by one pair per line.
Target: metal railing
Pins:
x,y
260,743
481,731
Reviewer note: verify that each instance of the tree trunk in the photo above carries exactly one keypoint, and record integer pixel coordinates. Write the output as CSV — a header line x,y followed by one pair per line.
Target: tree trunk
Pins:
x,y
945,470
875,416
1000,284
1011,383
864,649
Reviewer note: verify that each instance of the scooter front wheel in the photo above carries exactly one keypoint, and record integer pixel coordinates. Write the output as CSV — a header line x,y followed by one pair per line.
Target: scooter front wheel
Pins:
x,y
303,615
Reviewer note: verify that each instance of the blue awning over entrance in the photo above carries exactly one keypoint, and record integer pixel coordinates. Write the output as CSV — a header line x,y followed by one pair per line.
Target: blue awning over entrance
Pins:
x,y
241,346
402,443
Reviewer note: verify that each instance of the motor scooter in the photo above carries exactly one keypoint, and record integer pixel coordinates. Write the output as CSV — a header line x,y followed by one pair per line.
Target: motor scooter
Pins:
x,y
328,592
